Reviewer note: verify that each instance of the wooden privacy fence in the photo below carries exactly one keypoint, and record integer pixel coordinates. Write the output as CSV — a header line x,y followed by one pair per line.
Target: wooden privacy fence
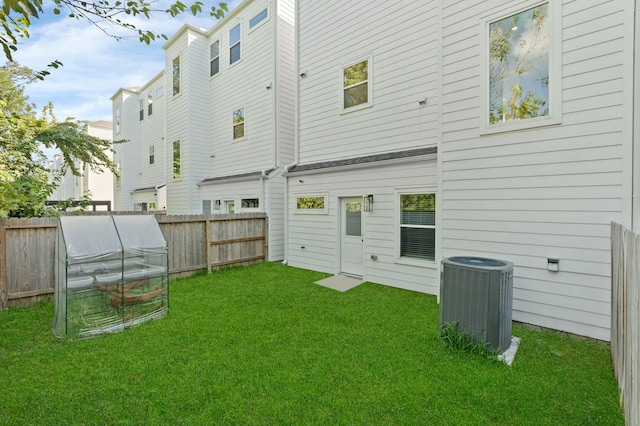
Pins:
x,y
196,242
625,318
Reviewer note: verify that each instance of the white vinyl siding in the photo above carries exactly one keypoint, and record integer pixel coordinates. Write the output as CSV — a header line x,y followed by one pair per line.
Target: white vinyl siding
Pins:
x,y
542,193
319,233
403,43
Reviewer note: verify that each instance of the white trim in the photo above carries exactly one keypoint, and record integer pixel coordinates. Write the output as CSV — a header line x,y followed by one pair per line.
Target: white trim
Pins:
x,y
369,103
432,189
555,69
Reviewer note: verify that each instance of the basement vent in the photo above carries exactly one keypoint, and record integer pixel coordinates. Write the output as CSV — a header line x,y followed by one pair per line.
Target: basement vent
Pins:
x,y
477,294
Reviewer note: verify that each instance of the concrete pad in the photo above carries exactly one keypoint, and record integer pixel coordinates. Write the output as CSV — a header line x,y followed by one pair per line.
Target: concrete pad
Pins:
x,y
340,282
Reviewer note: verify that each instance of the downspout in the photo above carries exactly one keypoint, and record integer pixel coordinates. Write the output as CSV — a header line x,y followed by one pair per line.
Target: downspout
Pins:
x,y
164,139
296,131
635,116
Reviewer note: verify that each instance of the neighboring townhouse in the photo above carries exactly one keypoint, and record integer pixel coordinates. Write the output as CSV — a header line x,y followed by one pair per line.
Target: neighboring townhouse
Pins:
x,y
363,187
496,129
222,129
98,186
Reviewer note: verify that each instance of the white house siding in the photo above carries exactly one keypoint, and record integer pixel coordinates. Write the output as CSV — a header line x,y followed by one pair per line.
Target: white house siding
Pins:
x,y
127,154
403,41
285,77
243,85
546,192
319,233
100,185
152,129
186,118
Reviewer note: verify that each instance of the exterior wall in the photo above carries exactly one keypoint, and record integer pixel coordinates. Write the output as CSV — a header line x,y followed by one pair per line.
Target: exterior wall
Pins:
x,y
127,154
285,77
243,85
402,42
319,233
152,133
100,185
545,192
185,118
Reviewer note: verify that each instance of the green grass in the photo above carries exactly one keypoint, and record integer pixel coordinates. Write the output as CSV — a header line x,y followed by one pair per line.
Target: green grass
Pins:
x,y
264,345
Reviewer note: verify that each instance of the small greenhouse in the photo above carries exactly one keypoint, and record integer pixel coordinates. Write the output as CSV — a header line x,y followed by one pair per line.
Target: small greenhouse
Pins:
x,y
111,272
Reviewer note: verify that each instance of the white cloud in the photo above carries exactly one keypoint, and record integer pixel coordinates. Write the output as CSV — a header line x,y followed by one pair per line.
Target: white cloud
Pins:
x,y
95,65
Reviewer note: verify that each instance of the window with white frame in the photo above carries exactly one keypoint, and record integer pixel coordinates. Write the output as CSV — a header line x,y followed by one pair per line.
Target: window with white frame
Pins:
x,y
206,206
417,226
238,123
214,58
250,203
159,91
117,119
152,154
234,45
259,18
522,82
311,203
141,109
176,160
176,75
356,85
149,103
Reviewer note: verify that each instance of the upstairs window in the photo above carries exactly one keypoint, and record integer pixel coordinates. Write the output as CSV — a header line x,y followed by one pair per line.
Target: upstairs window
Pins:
x,y
152,152
176,76
214,58
176,160
418,226
234,44
141,109
149,103
238,123
260,17
159,91
117,119
521,77
356,87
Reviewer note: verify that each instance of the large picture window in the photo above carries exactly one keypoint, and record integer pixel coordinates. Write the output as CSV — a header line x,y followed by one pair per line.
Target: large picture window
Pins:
x,y
311,203
418,226
522,84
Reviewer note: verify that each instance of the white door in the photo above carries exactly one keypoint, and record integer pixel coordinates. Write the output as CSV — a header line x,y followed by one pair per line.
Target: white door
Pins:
x,y
351,238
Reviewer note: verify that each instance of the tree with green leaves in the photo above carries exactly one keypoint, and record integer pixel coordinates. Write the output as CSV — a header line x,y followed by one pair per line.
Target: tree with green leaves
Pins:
x,y
24,178
18,16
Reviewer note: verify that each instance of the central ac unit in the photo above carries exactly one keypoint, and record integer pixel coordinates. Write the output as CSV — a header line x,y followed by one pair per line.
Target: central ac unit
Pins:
x,y
477,295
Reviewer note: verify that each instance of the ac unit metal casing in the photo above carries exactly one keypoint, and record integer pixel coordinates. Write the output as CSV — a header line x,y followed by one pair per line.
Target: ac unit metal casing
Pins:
x,y
477,294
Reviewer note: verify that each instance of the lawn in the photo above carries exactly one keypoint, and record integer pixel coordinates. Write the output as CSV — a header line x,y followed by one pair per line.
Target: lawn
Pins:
x,y
264,345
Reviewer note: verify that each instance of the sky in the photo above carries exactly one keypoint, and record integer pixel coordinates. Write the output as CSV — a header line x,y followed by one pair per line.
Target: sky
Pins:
x,y
95,65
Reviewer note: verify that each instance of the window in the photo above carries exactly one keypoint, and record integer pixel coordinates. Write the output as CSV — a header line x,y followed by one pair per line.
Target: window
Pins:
x,y
521,83
238,123
176,76
176,160
159,91
152,154
118,175
418,226
230,206
149,104
356,90
234,44
214,57
141,109
117,119
206,206
258,18
250,203
311,204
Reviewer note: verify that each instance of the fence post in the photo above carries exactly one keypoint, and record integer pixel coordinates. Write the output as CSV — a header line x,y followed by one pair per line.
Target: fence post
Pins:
x,y
4,289
207,242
